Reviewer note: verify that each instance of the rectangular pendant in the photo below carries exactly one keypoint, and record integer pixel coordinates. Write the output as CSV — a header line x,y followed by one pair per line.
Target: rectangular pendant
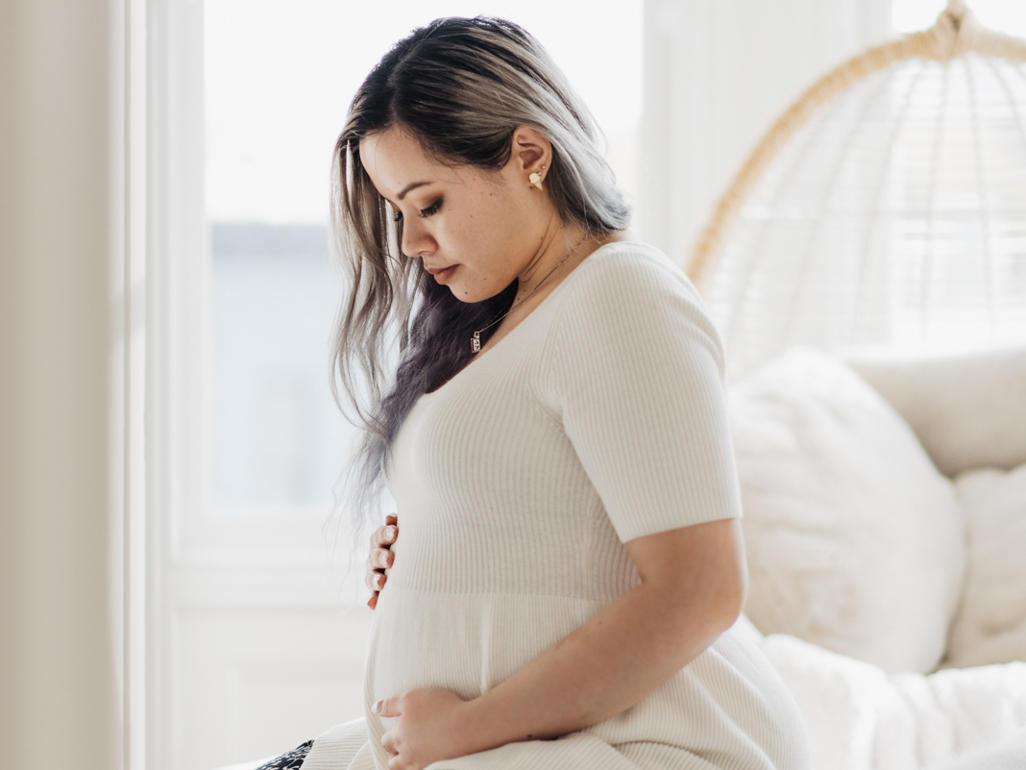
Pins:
x,y
475,342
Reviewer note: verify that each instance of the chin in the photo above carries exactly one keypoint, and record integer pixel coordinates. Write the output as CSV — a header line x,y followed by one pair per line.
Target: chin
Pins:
x,y
471,295
463,297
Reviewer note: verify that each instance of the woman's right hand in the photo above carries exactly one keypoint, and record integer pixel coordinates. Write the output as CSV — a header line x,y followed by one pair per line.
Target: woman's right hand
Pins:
x,y
380,557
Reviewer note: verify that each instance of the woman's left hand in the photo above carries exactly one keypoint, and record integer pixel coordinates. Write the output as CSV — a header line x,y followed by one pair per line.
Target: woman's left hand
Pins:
x,y
431,725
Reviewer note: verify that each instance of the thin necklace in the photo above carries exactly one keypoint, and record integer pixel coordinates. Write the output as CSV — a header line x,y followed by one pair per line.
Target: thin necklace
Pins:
x,y
475,340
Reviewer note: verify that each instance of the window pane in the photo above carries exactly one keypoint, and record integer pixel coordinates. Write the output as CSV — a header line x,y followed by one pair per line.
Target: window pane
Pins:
x,y
277,439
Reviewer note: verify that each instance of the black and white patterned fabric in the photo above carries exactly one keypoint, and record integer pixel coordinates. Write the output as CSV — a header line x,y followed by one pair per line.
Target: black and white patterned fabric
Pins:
x,y
291,760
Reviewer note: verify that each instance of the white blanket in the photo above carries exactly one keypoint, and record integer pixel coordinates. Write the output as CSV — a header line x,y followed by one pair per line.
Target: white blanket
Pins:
x,y
859,717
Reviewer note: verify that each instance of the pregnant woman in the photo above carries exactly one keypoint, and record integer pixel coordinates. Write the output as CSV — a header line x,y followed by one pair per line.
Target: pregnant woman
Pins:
x,y
570,570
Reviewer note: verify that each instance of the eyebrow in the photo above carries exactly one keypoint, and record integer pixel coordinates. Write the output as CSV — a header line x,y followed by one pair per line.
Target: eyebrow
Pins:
x,y
411,186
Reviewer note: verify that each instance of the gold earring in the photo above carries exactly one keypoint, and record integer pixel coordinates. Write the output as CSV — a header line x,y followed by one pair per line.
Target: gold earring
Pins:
x,y
536,178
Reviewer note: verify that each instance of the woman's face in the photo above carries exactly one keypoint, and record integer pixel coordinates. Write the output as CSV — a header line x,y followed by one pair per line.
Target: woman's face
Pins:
x,y
487,226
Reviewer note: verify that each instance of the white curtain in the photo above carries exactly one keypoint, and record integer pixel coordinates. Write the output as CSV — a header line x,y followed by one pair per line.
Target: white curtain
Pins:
x,y
60,547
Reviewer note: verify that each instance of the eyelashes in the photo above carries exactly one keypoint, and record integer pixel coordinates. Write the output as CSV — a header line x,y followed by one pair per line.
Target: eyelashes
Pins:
x,y
432,209
429,211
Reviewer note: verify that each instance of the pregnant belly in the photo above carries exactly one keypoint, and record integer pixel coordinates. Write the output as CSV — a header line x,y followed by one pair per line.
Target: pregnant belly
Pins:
x,y
728,696
467,643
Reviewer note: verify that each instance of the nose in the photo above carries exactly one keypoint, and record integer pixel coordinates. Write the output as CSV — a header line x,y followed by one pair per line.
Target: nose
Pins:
x,y
416,239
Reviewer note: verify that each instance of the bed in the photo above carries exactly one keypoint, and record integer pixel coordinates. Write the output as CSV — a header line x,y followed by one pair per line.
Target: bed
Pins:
x,y
885,524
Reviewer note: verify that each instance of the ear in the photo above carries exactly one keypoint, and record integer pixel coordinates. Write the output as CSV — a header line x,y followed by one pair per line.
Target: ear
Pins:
x,y
531,150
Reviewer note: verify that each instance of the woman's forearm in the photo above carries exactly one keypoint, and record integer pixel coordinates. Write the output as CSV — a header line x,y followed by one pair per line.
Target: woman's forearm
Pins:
x,y
619,656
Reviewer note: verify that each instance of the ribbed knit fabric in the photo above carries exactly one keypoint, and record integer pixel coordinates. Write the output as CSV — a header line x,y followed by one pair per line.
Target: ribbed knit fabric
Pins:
x,y
598,419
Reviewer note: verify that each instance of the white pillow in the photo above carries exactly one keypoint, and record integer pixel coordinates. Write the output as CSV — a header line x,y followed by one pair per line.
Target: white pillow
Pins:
x,y
854,539
967,409
990,625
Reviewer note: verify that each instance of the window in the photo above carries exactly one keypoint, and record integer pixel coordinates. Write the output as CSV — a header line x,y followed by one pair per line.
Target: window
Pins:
x,y
971,215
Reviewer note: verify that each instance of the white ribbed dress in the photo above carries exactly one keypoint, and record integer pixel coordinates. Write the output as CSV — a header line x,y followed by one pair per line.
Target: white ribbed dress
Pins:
x,y
599,418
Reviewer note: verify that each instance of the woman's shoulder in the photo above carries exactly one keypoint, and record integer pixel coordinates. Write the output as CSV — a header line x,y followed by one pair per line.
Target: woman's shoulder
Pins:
x,y
631,316
631,268
629,247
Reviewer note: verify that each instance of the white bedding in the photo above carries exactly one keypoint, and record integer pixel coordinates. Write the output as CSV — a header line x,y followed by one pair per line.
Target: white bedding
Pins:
x,y
836,490
859,717
990,625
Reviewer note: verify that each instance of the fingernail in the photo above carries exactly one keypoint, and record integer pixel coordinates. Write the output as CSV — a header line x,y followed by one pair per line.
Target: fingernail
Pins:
x,y
390,532
376,708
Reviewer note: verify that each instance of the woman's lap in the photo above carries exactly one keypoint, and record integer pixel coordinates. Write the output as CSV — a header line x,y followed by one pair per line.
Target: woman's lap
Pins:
x,y
341,747
334,749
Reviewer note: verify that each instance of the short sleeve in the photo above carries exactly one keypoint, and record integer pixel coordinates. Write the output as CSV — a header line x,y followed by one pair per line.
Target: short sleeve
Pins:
x,y
634,368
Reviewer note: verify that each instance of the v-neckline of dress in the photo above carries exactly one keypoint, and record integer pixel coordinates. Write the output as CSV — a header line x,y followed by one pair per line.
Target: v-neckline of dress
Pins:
x,y
429,395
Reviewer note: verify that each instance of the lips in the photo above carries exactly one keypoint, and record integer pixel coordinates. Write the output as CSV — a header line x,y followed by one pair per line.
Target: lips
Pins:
x,y
437,270
442,275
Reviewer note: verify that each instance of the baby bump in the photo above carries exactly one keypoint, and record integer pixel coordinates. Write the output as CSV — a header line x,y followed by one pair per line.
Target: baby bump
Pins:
x,y
467,643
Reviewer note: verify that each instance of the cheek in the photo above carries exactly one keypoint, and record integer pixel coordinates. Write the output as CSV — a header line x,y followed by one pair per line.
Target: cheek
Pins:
x,y
497,221
484,273
491,238
472,284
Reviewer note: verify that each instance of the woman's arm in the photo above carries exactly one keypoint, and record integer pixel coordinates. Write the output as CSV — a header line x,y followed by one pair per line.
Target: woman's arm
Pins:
x,y
693,589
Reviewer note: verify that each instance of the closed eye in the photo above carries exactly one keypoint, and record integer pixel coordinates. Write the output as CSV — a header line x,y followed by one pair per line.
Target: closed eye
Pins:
x,y
429,211
432,209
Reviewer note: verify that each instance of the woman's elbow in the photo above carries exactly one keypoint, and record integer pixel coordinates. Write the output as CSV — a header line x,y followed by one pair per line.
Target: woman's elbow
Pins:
x,y
727,594
701,570
737,595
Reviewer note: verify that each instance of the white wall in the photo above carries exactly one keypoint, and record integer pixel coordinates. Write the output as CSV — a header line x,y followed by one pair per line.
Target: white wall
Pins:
x,y
60,591
717,73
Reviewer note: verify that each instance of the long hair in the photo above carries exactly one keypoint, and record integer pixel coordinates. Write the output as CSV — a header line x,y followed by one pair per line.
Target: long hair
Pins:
x,y
461,87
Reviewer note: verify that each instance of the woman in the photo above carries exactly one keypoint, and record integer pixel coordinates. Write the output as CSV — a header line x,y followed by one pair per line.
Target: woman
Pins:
x,y
565,590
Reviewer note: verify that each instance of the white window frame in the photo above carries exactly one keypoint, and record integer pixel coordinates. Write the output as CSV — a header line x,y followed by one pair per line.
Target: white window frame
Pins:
x,y
192,557
181,254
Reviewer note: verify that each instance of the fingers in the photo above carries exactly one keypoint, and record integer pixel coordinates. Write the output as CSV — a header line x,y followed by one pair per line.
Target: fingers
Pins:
x,y
385,533
374,579
377,560
388,707
390,743
380,557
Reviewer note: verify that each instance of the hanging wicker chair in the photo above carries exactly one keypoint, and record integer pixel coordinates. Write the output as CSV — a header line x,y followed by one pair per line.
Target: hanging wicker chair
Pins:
x,y
885,210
